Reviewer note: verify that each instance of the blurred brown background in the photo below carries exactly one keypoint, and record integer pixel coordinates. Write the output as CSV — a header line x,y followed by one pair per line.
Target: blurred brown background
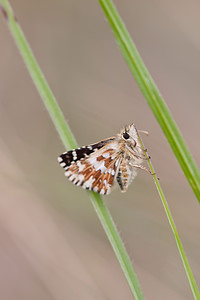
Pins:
x,y
52,245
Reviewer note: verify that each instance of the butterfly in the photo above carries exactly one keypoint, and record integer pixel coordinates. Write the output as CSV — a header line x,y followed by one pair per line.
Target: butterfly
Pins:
x,y
98,167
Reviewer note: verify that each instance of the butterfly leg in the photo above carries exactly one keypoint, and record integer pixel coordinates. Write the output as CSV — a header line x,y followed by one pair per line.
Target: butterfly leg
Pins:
x,y
142,168
142,156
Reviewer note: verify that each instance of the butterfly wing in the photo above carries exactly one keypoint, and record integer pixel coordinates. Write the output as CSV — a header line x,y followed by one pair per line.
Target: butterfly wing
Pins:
x,y
93,167
68,158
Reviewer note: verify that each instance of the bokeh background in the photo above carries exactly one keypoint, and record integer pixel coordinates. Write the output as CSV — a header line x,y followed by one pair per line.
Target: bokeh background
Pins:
x,y
52,245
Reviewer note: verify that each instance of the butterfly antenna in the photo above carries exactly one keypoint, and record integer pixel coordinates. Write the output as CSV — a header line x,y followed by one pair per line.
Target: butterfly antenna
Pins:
x,y
144,131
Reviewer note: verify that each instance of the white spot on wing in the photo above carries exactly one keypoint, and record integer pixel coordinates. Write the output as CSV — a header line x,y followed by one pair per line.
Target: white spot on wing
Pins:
x,y
102,191
92,160
68,173
95,189
74,154
60,159
63,164
116,163
72,177
79,179
80,165
100,166
89,182
113,146
106,155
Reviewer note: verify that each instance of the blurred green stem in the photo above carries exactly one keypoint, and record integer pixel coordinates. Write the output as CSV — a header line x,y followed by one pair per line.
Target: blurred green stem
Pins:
x,y
69,142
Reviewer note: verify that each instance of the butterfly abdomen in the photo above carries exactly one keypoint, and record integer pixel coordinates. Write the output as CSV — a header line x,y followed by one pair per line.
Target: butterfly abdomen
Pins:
x,y
124,176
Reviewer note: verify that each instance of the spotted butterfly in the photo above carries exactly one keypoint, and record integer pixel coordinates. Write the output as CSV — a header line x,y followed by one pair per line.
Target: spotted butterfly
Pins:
x,y
99,166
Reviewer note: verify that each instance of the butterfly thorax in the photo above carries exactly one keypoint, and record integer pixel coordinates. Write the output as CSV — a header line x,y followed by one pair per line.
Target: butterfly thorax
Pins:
x,y
130,154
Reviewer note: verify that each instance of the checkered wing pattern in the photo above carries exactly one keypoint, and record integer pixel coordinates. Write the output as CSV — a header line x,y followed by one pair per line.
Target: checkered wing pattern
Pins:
x,y
93,167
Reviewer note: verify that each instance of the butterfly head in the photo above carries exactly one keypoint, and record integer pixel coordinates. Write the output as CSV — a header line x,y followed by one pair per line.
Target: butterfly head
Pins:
x,y
129,135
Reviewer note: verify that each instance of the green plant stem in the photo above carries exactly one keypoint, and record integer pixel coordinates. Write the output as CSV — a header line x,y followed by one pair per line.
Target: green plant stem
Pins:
x,y
164,118
117,245
184,259
152,96
38,77
69,142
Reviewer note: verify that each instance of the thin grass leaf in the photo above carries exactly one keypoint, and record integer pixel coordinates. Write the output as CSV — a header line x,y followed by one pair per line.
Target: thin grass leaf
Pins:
x,y
165,120
152,96
184,259
69,142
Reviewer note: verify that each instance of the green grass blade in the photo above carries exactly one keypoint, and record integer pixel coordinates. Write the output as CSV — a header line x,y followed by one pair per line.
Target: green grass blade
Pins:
x,y
164,118
184,259
69,142
152,96
117,245
38,78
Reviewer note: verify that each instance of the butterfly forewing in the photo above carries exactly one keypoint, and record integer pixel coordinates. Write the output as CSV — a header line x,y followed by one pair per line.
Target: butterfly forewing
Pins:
x,y
93,167
67,158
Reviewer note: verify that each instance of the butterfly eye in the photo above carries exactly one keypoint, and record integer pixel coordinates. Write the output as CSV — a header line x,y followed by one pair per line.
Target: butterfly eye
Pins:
x,y
126,135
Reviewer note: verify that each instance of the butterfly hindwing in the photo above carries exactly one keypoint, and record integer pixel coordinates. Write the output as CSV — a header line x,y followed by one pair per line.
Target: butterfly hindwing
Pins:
x,y
104,168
